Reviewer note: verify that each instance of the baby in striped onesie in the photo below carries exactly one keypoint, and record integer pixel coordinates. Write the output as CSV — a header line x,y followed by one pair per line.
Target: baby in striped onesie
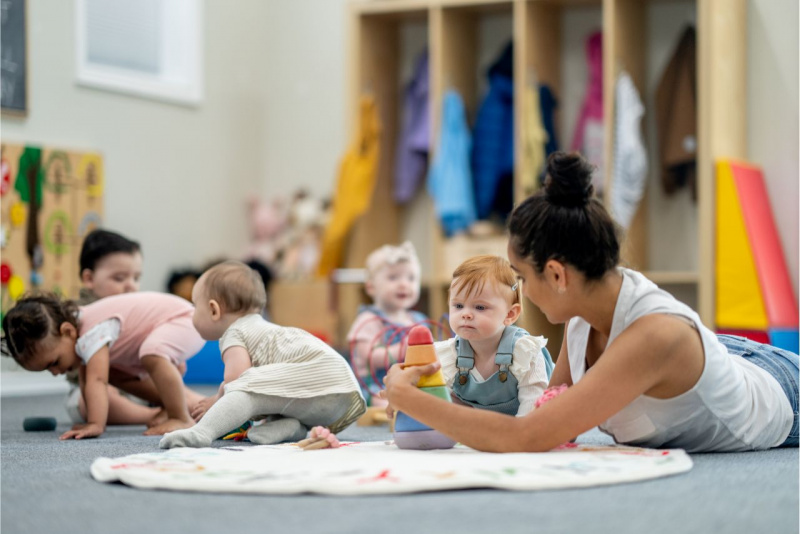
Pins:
x,y
285,376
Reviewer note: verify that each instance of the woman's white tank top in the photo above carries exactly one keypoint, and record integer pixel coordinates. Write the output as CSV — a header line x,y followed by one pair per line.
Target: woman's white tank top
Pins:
x,y
734,406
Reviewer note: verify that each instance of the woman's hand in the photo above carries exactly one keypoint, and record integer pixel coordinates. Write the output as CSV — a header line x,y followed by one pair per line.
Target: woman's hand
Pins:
x,y
400,379
83,430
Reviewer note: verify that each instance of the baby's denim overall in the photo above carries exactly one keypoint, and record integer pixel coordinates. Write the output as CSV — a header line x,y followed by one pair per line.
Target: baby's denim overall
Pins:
x,y
499,392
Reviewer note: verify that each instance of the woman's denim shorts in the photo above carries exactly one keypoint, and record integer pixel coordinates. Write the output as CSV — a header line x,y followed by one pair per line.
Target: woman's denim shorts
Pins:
x,y
779,363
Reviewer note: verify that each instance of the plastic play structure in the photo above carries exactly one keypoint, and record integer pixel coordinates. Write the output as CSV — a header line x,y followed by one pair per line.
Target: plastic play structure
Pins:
x,y
754,294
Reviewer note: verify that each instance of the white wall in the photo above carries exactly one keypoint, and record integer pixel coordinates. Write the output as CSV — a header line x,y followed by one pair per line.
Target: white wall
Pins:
x,y
773,55
176,177
305,63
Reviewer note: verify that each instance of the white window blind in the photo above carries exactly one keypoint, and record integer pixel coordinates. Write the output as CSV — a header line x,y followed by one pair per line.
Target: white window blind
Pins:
x,y
124,34
149,48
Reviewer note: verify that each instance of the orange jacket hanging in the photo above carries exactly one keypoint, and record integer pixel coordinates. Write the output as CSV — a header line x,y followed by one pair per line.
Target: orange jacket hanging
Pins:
x,y
356,183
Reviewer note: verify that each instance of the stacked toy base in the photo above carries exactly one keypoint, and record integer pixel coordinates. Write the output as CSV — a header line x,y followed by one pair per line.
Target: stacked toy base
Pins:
x,y
411,434
408,432
423,441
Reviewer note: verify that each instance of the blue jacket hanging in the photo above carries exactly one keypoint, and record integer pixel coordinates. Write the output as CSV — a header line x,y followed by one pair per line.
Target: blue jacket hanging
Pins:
x,y
493,149
449,178
548,103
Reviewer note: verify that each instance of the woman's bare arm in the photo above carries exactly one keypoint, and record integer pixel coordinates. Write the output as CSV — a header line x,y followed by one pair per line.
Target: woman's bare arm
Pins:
x,y
634,363
561,372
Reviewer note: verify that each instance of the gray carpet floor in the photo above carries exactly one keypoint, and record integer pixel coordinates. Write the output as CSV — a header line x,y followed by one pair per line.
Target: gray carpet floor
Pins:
x,y
47,488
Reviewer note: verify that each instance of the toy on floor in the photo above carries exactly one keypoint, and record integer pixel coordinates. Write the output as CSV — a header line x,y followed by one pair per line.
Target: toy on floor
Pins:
x,y
550,394
408,432
39,424
376,367
375,415
320,438
239,434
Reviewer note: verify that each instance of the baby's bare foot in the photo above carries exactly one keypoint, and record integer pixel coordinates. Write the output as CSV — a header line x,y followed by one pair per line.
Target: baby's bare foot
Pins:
x,y
160,417
168,426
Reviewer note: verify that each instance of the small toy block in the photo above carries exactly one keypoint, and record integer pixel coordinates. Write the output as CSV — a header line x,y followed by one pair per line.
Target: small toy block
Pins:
x,y
438,391
312,444
239,434
434,380
419,355
420,349
420,335
739,301
754,335
40,424
405,423
423,440
773,275
409,433
785,338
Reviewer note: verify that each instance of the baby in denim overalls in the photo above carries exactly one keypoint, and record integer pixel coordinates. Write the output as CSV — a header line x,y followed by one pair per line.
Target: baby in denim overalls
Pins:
x,y
491,364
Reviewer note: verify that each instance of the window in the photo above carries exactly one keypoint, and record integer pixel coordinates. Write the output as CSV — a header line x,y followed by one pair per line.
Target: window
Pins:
x,y
147,48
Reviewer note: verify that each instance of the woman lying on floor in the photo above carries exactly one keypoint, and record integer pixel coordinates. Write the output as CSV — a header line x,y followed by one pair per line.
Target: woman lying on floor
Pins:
x,y
639,364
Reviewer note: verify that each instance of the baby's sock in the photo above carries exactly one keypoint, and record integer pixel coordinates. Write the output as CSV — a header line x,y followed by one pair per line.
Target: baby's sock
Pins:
x,y
280,430
232,410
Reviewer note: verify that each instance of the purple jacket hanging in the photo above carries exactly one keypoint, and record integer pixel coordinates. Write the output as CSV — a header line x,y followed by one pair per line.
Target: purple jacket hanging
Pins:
x,y
414,142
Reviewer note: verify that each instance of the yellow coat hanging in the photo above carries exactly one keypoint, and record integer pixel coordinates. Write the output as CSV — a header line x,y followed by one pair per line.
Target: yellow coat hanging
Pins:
x,y
356,183
534,138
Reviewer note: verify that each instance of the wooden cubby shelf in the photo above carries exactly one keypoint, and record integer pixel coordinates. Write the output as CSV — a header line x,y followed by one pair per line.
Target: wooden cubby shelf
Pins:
x,y
671,238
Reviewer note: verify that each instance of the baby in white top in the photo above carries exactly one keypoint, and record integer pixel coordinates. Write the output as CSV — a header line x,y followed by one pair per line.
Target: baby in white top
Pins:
x,y
285,376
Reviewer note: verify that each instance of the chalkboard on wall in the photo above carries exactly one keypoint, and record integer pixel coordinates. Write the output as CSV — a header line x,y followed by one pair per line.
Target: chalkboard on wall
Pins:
x,y
13,57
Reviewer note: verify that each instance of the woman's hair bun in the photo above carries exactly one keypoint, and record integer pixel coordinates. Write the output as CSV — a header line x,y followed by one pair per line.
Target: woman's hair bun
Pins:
x,y
569,180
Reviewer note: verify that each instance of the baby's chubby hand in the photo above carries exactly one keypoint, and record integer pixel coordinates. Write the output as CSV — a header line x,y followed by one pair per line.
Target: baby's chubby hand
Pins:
x,y
202,407
83,430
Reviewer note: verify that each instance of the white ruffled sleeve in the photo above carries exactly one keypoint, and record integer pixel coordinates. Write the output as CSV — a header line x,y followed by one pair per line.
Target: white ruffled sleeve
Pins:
x,y
529,368
446,352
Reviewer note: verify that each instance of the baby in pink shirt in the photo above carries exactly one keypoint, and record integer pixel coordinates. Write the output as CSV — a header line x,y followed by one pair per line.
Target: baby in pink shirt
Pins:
x,y
118,339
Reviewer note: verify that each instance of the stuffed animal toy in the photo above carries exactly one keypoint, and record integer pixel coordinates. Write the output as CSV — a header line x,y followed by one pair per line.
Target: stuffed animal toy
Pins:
x,y
268,224
307,220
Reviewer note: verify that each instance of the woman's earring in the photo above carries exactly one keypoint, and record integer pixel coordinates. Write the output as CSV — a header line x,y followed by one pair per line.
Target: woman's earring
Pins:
x,y
562,290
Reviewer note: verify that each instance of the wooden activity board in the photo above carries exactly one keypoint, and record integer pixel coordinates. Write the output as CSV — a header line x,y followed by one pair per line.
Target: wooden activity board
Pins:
x,y
51,198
